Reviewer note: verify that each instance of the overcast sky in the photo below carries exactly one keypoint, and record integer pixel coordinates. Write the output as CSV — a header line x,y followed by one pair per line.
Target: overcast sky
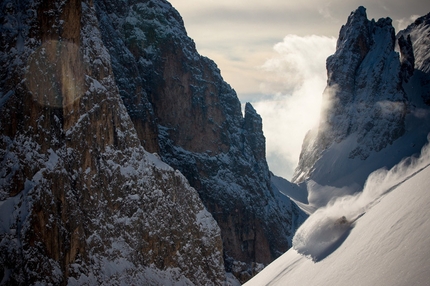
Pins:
x,y
273,53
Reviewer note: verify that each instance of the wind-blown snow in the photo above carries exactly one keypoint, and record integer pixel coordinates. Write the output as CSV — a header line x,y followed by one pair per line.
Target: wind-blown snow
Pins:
x,y
325,227
377,237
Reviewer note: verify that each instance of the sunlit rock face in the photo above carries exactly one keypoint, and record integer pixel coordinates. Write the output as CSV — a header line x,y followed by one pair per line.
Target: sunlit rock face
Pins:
x,y
364,98
184,110
376,104
81,201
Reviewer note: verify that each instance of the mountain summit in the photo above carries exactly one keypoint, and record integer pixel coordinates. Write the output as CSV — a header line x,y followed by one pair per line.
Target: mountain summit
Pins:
x,y
373,116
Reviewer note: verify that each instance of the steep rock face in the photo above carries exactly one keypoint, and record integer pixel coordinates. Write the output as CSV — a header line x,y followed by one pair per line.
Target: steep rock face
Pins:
x,y
81,201
196,120
367,103
407,57
419,35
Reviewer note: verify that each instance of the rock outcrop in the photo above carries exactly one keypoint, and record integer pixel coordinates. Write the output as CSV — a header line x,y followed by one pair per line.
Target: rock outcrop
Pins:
x,y
371,109
418,34
183,110
407,57
81,201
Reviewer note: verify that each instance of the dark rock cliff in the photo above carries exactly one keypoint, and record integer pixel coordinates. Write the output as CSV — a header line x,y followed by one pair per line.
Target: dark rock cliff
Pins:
x,y
418,34
364,94
183,109
87,89
81,201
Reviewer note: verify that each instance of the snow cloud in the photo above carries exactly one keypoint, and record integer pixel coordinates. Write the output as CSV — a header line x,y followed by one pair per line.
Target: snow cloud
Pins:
x,y
404,22
325,229
294,83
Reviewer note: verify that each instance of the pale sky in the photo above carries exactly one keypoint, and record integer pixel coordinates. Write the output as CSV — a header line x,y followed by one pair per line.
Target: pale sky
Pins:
x,y
273,54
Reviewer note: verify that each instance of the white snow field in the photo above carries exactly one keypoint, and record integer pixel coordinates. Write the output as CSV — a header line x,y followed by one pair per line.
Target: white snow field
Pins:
x,y
380,236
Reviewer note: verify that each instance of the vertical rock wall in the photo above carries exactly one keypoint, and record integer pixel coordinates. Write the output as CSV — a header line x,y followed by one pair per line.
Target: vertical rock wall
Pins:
x,y
81,201
199,129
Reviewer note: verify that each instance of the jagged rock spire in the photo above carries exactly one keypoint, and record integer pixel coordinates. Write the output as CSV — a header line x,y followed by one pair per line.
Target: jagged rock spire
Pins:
x,y
364,97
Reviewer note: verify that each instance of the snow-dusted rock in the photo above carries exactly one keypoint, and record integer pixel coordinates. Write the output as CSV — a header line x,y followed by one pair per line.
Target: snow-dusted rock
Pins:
x,y
81,201
183,109
407,57
87,90
419,34
370,119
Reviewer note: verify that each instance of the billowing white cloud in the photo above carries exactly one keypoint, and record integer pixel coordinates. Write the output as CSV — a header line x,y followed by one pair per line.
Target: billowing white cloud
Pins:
x,y
296,78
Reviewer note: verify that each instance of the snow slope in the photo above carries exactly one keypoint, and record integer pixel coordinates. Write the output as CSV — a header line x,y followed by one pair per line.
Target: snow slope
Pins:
x,y
383,240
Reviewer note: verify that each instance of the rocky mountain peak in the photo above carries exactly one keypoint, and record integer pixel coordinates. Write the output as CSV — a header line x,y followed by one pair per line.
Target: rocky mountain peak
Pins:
x,y
253,121
418,31
253,124
354,35
367,104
